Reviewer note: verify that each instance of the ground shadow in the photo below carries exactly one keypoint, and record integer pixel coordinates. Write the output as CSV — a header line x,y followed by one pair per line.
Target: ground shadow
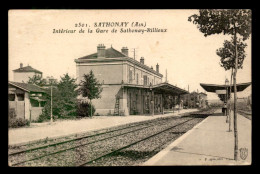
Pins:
x,y
176,148
135,155
218,114
177,132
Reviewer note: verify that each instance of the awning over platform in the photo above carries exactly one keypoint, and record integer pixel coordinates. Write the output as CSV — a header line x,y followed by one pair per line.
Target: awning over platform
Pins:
x,y
214,87
164,88
170,89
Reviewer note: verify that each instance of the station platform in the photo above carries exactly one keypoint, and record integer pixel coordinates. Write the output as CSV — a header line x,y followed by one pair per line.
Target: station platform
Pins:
x,y
60,128
208,143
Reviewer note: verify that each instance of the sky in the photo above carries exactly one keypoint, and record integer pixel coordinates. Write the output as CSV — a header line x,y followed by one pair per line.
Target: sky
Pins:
x,y
189,57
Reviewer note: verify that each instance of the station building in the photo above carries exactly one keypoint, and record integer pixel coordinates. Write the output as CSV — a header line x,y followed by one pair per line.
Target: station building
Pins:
x,y
129,86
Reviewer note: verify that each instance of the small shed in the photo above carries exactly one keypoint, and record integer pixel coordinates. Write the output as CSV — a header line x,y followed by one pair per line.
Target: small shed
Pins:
x,y
26,100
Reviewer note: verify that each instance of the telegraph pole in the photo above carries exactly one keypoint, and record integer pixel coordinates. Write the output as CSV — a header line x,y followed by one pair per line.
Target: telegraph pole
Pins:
x,y
230,92
235,99
134,53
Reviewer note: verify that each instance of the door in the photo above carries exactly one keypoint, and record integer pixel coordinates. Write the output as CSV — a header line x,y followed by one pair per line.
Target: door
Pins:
x,y
20,109
20,106
130,104
143,96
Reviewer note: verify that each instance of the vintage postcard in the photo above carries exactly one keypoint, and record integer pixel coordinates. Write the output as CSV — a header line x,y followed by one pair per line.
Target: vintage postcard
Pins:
x,y
129,87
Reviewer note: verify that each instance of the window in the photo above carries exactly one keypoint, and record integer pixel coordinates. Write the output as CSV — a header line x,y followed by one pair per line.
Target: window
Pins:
x,y
145,79
20,97
130,76
137,79
11,97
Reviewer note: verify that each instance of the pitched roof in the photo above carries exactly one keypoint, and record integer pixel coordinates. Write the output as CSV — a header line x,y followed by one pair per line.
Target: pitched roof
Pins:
x,y
109,53
27,87
113,53
27,69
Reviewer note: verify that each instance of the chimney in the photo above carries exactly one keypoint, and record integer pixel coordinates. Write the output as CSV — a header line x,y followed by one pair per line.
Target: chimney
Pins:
x,y
124,50
101,50
142,60
157,68
21,65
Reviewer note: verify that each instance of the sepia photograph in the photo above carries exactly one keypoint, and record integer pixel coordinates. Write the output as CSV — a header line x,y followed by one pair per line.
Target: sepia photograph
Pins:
x,y
128,87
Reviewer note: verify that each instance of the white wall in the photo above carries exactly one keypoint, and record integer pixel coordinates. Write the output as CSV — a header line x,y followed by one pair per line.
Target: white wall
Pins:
x,y
27,105
154,79
23,76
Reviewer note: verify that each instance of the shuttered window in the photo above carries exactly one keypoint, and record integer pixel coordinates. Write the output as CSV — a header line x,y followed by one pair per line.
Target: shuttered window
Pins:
x,y
137,80
145,79
130,76
20,97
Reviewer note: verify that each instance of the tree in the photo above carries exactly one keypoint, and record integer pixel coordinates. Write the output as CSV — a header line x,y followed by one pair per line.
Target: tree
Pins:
x,y
232,22
227,60
46,112
227,54
67,93
37,80
90,87
64,97
235,21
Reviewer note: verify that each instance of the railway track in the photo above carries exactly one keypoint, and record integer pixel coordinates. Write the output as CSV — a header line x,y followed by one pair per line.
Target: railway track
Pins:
x,y
80,138
134,143
247,115
87,149
142,151
126,130
245,112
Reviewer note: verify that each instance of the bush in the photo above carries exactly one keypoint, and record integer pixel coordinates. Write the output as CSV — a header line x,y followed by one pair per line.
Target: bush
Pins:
x,y
12,113
14,122
18,122
84,109
43,117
